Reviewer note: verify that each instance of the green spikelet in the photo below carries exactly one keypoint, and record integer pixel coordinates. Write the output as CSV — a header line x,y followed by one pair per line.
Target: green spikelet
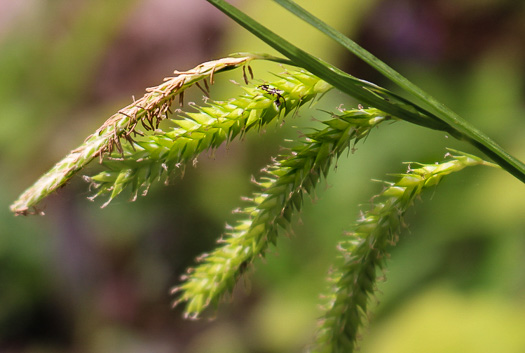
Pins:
x,y
286,182
364,252
157,156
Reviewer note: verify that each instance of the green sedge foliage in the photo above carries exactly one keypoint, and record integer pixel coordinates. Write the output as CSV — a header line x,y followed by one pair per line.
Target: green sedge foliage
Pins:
x,y
365,251
283,187
155,153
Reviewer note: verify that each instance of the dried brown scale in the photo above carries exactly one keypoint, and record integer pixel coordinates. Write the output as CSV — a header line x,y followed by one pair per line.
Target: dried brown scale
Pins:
x,y
244,75
205,91
154,109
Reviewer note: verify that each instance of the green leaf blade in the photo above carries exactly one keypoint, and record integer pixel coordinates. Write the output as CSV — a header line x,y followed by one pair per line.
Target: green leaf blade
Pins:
x,y
438,116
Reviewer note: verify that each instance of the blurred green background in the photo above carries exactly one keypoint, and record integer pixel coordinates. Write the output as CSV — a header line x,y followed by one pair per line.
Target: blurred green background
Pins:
x,y
82,279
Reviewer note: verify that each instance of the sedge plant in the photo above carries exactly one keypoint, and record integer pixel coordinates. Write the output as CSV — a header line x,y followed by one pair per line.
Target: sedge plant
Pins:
x,y
135,150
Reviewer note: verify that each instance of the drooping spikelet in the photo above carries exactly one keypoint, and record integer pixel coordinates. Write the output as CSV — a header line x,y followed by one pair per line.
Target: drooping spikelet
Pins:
x,y
365,251
162,154
148,111
284,186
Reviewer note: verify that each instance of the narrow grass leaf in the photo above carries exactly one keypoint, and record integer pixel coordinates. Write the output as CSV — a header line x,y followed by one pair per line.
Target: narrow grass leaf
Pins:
x,y
439,117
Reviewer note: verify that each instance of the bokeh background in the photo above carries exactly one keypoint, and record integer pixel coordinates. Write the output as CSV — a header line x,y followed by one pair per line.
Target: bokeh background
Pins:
x,y
82,279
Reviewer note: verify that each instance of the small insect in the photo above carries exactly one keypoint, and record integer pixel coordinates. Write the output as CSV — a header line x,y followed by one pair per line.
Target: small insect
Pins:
x,y
274,92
